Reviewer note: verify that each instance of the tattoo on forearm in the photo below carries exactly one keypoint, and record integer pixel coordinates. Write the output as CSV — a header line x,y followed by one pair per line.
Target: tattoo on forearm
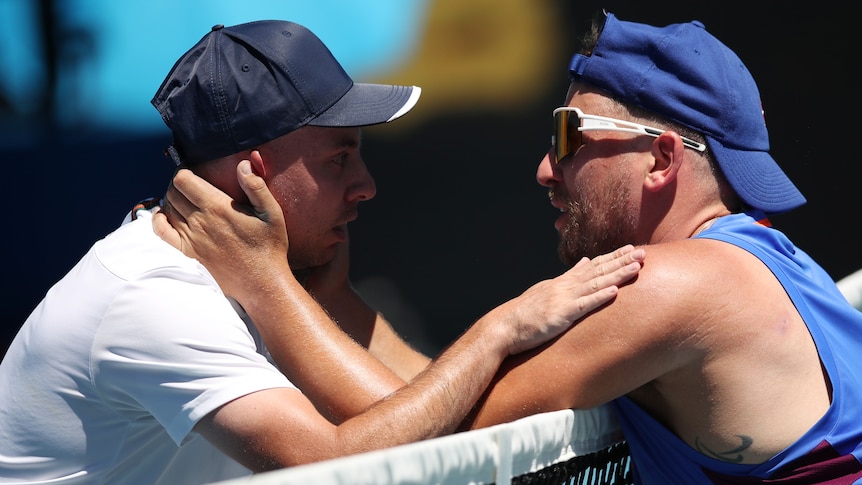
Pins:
x,y
728,455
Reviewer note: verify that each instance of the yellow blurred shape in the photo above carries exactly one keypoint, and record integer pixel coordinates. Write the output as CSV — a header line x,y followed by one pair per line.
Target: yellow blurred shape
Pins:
x,y
481,54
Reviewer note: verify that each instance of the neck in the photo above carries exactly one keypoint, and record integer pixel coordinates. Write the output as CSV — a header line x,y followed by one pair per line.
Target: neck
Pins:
x,y
709,221
704,226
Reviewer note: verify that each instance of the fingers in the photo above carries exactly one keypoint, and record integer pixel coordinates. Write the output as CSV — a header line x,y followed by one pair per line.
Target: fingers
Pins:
x,y
189,193
592,283
264,204
604,274
614,265
166,231
626,254
550,307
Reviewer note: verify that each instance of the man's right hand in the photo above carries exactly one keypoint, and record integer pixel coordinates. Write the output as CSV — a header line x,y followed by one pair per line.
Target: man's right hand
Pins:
x,y
240,245
550,307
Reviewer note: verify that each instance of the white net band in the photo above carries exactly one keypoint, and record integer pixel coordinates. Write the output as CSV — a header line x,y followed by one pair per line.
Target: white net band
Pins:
x,y
491,455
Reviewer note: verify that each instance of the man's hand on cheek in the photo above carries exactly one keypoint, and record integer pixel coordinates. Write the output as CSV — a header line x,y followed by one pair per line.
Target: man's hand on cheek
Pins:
x,y
242,246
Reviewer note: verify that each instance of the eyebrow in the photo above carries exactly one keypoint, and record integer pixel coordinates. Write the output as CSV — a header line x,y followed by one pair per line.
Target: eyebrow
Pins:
x,y
339,144
348,141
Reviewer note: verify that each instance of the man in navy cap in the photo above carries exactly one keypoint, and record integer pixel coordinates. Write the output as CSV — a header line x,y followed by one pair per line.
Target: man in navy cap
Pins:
x,y
733,358
136,368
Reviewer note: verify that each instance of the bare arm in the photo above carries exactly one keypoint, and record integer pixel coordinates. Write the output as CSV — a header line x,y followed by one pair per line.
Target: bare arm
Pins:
x,y
692,342
659,329
611,352
252,267
330,286
333,370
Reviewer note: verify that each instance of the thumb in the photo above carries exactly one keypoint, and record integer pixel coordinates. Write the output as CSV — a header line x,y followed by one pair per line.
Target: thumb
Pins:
x,y
261,199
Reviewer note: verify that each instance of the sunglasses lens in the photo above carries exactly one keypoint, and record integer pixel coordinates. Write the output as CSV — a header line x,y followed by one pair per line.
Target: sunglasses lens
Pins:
x,y
566,135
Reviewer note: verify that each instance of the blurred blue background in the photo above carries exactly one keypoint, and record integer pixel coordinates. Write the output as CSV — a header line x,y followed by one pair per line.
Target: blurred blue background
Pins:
x,y
459,223
97,63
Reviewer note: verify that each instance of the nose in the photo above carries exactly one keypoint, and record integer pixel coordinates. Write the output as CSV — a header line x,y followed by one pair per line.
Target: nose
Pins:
x,y
363,188
547,174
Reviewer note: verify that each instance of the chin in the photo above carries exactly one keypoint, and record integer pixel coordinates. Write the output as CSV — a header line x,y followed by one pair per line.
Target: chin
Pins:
x,y
306,260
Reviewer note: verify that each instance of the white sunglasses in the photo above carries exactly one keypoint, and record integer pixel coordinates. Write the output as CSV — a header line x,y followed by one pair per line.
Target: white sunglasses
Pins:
x,y
567,136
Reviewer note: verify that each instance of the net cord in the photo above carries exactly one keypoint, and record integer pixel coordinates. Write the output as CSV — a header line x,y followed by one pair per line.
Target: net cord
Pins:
x,y
570,447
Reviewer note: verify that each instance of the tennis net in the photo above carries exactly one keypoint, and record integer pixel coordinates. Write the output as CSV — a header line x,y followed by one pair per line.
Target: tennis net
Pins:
x,y
563,447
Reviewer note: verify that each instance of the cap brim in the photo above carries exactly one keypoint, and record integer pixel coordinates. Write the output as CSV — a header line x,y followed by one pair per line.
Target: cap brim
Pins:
x,y
369,104
757,179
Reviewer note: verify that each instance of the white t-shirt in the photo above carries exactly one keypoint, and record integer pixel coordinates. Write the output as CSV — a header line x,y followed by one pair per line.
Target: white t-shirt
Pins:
x,y
109,374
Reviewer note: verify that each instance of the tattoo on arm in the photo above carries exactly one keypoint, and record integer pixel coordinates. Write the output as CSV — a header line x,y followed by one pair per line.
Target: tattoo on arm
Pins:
x,y
728,455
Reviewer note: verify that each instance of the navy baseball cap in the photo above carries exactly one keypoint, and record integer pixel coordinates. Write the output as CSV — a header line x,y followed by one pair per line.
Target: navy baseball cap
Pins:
x,y
685,74
244,85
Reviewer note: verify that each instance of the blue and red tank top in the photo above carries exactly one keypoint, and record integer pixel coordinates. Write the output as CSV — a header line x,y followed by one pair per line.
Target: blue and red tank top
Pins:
x,y
831,451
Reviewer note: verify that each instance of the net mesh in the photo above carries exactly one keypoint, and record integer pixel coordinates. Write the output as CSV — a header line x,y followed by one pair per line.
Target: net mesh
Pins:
x,y
611,466
582,447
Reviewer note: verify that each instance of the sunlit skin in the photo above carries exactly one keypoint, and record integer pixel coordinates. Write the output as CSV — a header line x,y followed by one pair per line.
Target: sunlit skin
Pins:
x,y
739,382
319,189
318,177
655,343
350,400
599,211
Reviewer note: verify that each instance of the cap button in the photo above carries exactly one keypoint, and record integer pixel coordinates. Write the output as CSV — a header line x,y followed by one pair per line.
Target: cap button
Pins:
x,y
217,27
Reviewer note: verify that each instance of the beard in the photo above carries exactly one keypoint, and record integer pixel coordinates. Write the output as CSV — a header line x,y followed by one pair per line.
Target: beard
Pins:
x,y
598,222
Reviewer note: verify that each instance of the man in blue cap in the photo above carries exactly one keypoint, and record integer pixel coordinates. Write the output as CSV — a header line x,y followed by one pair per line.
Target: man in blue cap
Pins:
x,y
137,369
733,358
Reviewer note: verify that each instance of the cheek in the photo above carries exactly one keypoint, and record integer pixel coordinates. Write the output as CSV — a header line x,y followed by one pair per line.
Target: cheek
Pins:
x,y
293,193
594,176
579,180
295,204
300,211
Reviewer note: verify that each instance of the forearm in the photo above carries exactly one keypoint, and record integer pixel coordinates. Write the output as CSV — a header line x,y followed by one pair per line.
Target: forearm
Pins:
x,y
260,429
388,347
436,401
333,370
371,330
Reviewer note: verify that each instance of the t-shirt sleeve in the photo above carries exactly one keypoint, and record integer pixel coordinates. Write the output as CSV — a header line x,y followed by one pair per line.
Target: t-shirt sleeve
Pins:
x,y
174,350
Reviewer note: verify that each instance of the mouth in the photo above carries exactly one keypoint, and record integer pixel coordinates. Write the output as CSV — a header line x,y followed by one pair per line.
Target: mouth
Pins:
x,y
561,222
561,206
557,202
340,229
340,232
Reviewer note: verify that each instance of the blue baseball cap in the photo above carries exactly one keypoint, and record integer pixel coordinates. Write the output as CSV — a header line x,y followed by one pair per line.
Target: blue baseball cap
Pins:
x,y
244,85
685,74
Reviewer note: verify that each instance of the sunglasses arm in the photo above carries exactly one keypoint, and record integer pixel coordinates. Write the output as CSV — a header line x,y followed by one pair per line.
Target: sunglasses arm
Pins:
x,y
592,122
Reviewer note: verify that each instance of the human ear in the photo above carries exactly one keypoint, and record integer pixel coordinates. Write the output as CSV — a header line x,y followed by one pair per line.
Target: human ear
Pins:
x,y
667,153
258,166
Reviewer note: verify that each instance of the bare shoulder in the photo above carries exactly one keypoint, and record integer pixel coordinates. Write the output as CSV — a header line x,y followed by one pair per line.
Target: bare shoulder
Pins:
x,y
700,288
692,340
726,326
680,280
666,321
700,264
